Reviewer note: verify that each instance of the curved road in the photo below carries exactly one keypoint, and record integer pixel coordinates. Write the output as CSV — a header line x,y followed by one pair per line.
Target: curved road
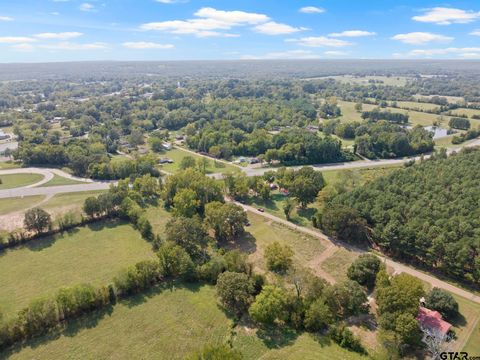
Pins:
x,y
396,266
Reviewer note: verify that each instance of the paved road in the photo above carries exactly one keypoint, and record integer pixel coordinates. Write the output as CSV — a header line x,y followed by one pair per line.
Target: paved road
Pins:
x,y
252,171
396,266
53,190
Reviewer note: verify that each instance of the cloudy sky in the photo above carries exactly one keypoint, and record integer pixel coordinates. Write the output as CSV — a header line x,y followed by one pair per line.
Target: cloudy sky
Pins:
x,y
64,30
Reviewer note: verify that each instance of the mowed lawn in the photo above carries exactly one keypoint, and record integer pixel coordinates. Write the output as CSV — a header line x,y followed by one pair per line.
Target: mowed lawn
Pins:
x,y
212,166
18,180
10,205
91,254
60,180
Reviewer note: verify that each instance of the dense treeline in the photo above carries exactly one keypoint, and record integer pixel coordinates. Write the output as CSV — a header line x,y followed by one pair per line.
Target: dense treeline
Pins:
x,y
427,213
394,117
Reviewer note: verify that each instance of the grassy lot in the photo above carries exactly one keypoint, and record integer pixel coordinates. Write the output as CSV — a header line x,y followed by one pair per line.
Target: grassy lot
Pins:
x,y
288,345
416,117
467,112
16,204
263,232
158,217
450,99
9,165
387,80
69,201
178,154
467,326
338,264
166,324
92,254
18,180
413,105
60,180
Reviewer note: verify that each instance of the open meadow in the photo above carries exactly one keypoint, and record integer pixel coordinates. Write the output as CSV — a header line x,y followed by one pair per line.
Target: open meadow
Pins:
x,y
89,254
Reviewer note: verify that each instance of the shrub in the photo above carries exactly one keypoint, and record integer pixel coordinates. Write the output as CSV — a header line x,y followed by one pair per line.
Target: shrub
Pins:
x,y
235,291
345,338
364,270
279,258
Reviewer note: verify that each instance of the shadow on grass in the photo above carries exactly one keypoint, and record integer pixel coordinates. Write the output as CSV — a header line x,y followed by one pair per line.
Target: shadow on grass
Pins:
x,y
45,242
459,320
274,338
245,243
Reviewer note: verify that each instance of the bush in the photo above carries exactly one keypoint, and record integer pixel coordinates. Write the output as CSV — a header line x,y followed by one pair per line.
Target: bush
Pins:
x,y
235,291
175,261
459,123
345,338
270,306
364,270
318,316
279,258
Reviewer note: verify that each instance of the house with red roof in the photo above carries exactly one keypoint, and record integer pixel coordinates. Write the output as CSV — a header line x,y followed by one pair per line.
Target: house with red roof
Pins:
x,y
432,320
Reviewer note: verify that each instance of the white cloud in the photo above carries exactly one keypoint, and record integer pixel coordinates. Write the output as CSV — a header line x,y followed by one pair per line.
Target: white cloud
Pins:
x,y
475,32
274,28
58,36
6,18
334,53
143,45
352,33
311,10
318,41
418,38
74,46
447,16
290,54
444,51
15,39
23,47
172,1
87,7
231,17
209,22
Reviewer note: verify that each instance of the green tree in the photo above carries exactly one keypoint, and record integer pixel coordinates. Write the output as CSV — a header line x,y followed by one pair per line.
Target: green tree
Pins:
x,y
228,220
318,316
91,206
189,234
185,203
175,261
270,306
278,257
235,291
443,302
288,207
346,299
364,270
37,220
344,223
187,162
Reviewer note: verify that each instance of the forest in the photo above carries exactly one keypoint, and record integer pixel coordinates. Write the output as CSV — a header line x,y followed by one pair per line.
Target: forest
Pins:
x,y
427,213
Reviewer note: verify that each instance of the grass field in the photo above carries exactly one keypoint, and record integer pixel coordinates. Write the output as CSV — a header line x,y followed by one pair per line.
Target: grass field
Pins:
x,y
92,254
338,264
263,232
385,80
413,105
8,165
18,180
61,203
178,154
467,326
10,205
450,99
165,323
60,180
170,323
288,345
467,112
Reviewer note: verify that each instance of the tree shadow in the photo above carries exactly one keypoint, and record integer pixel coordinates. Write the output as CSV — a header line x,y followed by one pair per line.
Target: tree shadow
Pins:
x,y
322,340
275,338
105,224
245,243
459,320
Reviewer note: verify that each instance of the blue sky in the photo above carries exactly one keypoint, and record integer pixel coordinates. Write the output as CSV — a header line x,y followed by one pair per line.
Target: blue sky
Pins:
x,y
65,30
